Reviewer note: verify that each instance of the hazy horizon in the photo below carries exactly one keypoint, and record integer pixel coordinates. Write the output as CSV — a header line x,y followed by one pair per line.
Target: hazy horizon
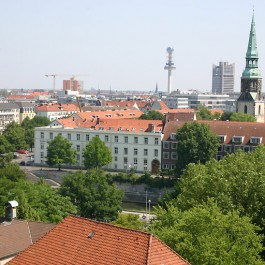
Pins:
x,y
122,44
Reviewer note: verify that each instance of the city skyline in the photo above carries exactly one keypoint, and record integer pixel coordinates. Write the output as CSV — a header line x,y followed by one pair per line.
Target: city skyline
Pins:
x,y
122,45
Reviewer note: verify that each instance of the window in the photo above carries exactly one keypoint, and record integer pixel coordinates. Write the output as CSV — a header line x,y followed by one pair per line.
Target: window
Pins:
x,y
173,136
87,137
135,151
145,152
42,146
166,155
69,136
41,155
116,139
135,161
237,139
166,145
51,135
246,148
145,140
126,151
116,150
116,166
136,140
255,140
78,148
145,162
238,147
173,145
228,148
125,160
156,152
106,138
78,137
165,166
218,157
42,135
126,139
115,158
220,148
156,140
222,138
174,156
78,156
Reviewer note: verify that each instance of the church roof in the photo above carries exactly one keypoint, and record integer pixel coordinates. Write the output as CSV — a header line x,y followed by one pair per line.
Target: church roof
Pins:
x,y
252,51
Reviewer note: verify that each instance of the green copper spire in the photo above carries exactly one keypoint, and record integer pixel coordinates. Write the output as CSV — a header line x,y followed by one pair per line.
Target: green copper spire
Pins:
x,y
252,51
252,57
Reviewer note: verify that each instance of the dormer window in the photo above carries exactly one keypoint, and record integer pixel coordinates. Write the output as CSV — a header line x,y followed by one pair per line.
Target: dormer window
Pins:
x,y
172,136
237,139
255,140
222,138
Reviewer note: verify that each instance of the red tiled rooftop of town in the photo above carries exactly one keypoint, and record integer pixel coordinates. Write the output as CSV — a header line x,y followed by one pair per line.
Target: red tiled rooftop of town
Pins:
x,y
57,107
78,240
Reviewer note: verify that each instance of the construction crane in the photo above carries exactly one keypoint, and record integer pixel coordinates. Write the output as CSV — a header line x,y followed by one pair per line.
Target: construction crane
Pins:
x,y
54,77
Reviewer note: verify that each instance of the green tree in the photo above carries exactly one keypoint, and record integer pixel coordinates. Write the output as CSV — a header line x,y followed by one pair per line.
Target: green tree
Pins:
x,y
196,144
152,115
15,135
204,113
130,221
12,172
234,116
236,183
5,146
93,195
242,117
37,202
60,152
204,235
96,154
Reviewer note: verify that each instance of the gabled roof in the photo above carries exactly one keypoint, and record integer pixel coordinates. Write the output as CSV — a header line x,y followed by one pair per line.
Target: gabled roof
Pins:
x,y
225,128
79,241
17,235
57,107
110,114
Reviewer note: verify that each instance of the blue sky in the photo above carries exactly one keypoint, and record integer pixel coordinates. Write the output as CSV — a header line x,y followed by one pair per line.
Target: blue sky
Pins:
x,y
122,43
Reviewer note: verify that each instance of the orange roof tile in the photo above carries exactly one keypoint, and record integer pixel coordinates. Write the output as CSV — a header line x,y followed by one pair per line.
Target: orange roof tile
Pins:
x,y
227,128
111,114
57,107
78,240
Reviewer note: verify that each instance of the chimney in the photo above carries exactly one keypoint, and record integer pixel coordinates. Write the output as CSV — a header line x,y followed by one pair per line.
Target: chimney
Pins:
x,y
151,127
97,121
11,210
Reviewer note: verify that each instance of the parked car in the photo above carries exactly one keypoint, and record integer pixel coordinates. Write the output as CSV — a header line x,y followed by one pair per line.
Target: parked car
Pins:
x,y
23,152
22,163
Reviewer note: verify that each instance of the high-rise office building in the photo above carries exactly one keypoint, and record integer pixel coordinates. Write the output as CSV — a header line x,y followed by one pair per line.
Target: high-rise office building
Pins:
x,y
223,78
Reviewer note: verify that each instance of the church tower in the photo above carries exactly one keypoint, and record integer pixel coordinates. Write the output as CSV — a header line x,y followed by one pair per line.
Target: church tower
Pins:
x,y
250,100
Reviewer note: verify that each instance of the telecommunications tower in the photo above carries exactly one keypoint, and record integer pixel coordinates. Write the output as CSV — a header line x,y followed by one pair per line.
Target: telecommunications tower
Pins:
x,y
169,67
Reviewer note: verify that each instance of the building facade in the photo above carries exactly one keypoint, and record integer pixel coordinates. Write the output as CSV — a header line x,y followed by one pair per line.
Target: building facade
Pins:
x,y
251,101
211,101
223,78
131,149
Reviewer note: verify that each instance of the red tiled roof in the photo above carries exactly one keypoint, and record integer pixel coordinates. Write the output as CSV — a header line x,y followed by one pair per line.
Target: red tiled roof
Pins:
x,y
113,124
57,107
78,240
228,128
213,111
111,114
17,235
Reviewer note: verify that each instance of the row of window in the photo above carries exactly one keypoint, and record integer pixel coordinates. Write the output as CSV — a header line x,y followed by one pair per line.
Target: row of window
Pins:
x,y
135,151
116,138
233,148
166,145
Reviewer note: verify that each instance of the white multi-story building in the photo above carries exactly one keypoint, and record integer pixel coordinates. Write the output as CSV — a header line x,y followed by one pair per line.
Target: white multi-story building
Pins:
x,y
133,143
211,101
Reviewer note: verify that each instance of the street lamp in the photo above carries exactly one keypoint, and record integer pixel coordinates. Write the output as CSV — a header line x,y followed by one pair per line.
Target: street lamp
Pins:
x,y
149,202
